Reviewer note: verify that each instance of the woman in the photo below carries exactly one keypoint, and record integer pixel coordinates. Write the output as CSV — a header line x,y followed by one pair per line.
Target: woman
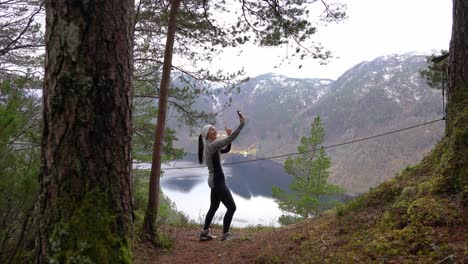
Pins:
x,y
209,150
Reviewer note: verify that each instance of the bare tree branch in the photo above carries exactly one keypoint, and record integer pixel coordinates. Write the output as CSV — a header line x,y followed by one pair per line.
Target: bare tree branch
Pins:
x,y
327,7
31,19
180,107
245,7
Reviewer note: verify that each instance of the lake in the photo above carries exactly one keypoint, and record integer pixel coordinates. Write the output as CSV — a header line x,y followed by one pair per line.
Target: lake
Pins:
x,y
250,184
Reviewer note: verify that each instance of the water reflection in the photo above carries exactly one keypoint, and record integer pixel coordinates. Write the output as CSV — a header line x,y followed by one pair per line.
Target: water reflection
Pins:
x,y
250,184
246,179
181,184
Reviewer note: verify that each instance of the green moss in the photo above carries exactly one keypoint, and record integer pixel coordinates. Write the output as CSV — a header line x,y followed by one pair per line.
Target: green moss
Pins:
x,y
396,216
424,188
383,194
452,176
413,206
268,258
408,243
408,170
408,192
88,233
298,237
352,205
431,212
424,211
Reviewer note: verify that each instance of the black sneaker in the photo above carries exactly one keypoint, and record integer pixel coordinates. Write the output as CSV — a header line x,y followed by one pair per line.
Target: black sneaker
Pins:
x,y
206,235
226,236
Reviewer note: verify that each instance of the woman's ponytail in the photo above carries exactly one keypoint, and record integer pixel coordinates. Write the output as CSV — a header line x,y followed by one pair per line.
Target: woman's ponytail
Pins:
x,y
200,149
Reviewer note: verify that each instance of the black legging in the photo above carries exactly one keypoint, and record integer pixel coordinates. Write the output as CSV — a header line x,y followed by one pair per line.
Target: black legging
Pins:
x,y
221,193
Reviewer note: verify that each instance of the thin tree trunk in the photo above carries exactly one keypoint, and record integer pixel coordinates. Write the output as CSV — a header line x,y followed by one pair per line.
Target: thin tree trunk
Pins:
x,y
153,199
85,198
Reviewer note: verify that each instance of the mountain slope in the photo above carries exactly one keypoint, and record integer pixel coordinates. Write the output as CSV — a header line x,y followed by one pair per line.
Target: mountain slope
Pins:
x,y
373,97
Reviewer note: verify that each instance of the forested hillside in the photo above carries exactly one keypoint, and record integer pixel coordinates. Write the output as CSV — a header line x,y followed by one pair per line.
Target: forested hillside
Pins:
x,y
385,94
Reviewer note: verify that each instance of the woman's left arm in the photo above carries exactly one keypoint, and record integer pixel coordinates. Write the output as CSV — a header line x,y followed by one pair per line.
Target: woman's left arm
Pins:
x,y
217,145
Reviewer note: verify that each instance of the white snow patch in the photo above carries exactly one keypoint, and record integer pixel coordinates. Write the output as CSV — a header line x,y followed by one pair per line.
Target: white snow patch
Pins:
x,y
387,77
415,78
363,91
259,88
320,94
386,57
290,83
217,106
278,78
392,94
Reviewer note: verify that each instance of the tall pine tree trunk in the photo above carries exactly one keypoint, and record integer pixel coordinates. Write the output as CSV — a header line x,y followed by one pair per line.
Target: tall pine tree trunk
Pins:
x,y
85,201
153,199
455,158
458,65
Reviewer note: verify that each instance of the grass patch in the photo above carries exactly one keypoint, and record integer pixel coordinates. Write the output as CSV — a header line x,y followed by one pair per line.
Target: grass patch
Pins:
x,y
255,228
164,241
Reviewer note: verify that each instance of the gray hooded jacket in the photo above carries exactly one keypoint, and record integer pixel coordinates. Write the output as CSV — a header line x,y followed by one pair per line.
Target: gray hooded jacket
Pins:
x,y
211,154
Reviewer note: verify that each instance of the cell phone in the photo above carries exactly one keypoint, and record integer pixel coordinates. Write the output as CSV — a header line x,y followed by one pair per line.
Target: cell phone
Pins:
x,y
239,113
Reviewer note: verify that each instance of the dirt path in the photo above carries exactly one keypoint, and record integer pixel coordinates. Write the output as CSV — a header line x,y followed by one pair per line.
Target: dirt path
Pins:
x,y
247,247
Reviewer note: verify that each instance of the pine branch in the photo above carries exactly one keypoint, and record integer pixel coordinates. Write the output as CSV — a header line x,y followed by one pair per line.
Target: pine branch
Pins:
x,y
9,46
180,107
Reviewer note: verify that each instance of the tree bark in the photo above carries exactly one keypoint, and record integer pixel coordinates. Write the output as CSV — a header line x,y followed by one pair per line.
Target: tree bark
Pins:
x,y
454,161
85,198
153,199
458,65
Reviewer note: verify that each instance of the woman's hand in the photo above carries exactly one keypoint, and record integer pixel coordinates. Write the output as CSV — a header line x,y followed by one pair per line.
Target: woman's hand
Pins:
x,y
228,131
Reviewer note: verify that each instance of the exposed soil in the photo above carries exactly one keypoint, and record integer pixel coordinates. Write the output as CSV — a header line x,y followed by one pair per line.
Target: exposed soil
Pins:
x,y
320,240
246,247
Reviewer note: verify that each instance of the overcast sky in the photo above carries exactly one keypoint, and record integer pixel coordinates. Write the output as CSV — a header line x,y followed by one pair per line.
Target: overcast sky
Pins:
x,y
374,28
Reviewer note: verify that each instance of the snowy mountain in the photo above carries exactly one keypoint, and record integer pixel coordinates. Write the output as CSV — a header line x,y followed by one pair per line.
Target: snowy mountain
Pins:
x,y
373,97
